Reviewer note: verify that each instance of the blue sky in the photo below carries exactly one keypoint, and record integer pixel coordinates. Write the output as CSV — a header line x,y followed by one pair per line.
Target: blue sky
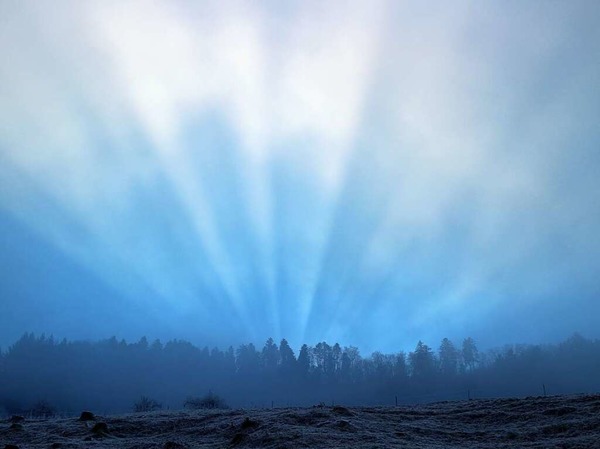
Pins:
x,y
372,173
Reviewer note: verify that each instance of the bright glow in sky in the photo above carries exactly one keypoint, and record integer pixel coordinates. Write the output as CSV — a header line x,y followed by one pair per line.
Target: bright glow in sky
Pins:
x,y
372,173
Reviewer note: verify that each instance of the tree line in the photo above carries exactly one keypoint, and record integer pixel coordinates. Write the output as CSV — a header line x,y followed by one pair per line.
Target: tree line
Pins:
x,y
111,375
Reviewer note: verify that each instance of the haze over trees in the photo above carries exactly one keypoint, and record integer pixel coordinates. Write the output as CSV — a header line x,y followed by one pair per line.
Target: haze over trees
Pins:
x,y
112,375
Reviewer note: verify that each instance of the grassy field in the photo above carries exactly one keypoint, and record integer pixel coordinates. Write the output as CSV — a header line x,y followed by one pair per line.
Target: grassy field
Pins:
x,y
540,422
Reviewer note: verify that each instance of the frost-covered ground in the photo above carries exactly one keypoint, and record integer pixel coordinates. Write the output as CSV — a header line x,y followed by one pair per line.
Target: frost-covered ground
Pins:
x,y
543,422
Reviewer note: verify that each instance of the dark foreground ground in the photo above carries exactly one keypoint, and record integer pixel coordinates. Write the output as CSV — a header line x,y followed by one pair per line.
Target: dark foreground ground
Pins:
x,y
546,422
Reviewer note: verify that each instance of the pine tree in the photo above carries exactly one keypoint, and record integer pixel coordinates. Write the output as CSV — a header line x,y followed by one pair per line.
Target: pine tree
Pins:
x,y
470,354
448,359
304,361
422,362
287,358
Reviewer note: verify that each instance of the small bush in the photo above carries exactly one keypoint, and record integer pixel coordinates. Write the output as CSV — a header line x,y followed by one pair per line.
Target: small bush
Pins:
x,y
146,404
249,423
209,401
86,416
100,428
343,411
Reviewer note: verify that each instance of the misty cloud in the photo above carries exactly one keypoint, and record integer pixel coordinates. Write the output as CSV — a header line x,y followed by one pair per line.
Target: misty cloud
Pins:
x,y
376,173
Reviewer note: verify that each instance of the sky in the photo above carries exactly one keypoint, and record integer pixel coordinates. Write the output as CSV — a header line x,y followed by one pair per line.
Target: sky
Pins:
x,y
371,173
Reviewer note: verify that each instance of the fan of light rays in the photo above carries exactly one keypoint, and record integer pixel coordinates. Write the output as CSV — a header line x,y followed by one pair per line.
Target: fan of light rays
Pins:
x,y
300,170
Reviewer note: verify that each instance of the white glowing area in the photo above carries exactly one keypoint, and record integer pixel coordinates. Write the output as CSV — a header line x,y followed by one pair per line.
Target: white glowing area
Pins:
x,y
307,171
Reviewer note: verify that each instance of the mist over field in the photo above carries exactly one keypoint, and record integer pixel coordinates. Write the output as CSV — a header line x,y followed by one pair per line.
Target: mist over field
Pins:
x,y
42,377
268,205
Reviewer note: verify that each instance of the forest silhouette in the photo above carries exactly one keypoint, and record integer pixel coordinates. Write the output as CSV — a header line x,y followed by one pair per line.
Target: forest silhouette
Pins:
x,y
110,376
